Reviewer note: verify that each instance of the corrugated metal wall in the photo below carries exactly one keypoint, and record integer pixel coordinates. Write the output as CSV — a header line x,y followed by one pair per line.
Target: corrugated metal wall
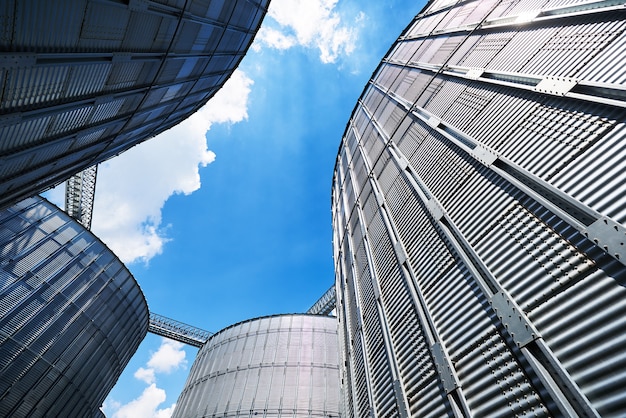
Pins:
x,y
479,208
71,315
82,81
279,366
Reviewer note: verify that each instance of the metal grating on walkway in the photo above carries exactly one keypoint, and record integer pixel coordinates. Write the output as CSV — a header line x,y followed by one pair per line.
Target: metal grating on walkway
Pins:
x,y
178,331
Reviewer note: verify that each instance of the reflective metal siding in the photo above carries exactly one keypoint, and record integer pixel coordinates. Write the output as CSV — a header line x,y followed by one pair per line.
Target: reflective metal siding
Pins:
x,y
285,365
483,171
71,315
69,68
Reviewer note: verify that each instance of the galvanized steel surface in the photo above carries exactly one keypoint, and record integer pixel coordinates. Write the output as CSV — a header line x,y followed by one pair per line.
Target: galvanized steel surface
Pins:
x,y
82,81
278,366
478,212
71,314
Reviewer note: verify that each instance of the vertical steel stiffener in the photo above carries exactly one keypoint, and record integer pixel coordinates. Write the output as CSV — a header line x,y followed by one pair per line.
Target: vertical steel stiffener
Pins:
x,y
478,211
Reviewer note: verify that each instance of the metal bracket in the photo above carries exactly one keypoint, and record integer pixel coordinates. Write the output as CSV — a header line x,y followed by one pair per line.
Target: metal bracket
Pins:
x,y
376,291
474,73
433,121
8,61
444,368
559,86
609,235
435,209
400,252
380,199
12,119
119,57
485,156
513,319
403,162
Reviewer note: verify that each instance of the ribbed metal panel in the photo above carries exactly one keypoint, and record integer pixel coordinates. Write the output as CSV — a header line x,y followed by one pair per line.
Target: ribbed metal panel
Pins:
x,y
601,68
71,315
483,171
567,51
596,177
276,366
68,68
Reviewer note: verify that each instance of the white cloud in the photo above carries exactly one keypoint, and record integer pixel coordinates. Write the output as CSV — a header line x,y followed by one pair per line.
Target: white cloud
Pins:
x,y
145,406
165,413
274,39
169,357
133,187
146,375
309,23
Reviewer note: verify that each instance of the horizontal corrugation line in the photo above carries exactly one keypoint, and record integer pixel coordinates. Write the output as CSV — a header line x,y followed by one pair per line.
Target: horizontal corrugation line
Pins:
x,y
594,178
377,358
23,134
520,48
32,86
601,69
553,133
424,25
48,26
447,93
388,75
412,139
405,80
525,6
583,326
479,11
471,102
480,200
55,329
502,8
86,80
70,120
465,47
550,4
485,48
392,77
509,110
427,91
498,386
572,47
440,169
530,258
402,317
459,311
140,27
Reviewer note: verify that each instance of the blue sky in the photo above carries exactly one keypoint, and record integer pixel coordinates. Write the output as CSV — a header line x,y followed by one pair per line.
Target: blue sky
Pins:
x,y
226,217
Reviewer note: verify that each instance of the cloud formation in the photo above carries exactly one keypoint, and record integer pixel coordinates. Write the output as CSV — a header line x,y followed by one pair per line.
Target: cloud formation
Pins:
x,y
311,24
169,357
144,406
133,187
